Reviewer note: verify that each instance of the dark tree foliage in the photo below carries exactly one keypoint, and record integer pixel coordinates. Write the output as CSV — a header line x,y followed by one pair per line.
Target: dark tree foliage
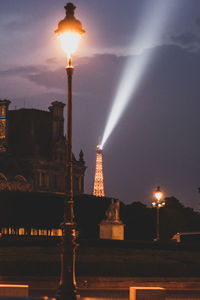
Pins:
x,y
43,210
89,212
138,220
174,217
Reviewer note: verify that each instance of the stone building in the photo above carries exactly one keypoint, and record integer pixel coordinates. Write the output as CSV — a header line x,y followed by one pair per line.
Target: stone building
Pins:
x,y
33,150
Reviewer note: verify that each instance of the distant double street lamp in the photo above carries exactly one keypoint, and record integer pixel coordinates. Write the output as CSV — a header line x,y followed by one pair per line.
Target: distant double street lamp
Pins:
x,y
158,203
69,32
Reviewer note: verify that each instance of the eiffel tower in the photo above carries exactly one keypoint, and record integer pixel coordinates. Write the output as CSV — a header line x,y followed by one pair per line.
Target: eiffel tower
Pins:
x,y
98,180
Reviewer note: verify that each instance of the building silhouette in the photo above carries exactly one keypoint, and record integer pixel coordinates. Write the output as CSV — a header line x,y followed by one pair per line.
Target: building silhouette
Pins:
x,y
33,151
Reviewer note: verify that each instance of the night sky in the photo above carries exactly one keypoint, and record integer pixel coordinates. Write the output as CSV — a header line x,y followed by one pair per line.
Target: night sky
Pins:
x,y
157,140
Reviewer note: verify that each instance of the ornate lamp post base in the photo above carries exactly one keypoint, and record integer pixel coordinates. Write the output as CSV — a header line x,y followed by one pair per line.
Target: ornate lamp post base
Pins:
x,y
67,287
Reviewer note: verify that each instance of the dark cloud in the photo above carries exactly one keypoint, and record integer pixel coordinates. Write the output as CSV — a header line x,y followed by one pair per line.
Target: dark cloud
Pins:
x,y
156,142
197,21
158,134
186,39
49,79
40,101
54,60
23,70
99,67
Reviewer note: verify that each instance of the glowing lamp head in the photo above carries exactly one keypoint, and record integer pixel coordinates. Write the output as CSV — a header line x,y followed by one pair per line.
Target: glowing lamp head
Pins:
x,y
158,194
69,42
69,30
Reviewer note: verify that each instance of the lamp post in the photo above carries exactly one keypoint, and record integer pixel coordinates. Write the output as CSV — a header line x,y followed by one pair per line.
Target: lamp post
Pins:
x,y
69,32
158,203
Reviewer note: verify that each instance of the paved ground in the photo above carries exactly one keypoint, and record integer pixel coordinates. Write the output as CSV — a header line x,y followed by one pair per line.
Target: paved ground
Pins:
x,y
102,287
38,267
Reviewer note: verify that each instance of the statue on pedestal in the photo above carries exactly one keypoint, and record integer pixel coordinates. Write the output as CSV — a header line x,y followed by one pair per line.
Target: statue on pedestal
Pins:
x,y
112,227
112,213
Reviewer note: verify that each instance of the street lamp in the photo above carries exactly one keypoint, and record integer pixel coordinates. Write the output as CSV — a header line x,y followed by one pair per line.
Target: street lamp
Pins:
x,y
158,203
69,32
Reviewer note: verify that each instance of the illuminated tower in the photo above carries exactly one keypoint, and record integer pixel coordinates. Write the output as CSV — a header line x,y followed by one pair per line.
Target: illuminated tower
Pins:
x,y
98,180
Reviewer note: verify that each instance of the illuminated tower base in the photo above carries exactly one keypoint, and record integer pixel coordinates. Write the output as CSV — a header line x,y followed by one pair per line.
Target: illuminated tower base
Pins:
x,y
98,180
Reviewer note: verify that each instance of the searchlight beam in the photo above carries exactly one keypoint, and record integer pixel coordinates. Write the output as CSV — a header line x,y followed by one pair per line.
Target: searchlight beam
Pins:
x,y
154,20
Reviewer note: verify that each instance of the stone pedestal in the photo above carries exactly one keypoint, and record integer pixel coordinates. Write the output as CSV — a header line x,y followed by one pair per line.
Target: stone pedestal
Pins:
x,y
111,230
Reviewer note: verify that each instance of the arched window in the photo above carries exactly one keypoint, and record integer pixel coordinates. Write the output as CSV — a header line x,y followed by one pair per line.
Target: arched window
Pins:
x,y
20,178
3,177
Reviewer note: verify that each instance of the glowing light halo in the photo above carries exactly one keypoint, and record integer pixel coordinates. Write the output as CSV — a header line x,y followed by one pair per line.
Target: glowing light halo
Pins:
x,y
153,22
69,42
